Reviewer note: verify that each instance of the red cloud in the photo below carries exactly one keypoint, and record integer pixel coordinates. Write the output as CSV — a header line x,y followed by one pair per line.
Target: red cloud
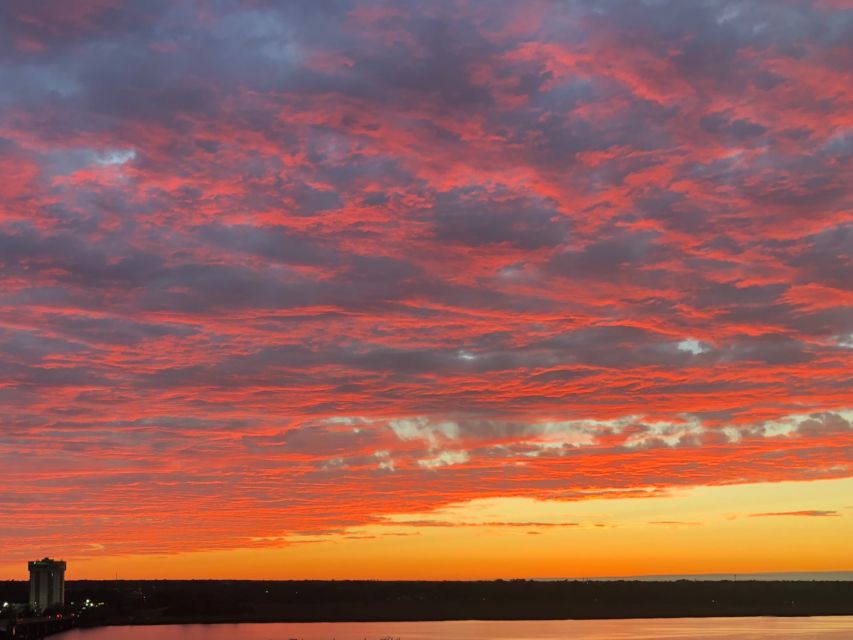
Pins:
x,y
582,254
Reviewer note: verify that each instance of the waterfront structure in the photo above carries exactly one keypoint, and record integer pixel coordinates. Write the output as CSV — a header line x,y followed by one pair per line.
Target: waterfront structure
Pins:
x,y
47,584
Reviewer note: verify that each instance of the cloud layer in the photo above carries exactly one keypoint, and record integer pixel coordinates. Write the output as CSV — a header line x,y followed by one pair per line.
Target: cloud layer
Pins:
x,y
281,268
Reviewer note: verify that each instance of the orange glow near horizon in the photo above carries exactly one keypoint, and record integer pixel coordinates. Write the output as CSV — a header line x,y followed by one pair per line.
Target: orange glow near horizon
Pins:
x,y
733,529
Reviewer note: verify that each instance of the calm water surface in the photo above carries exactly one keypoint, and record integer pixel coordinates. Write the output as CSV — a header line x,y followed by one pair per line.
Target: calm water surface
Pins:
x,y
821,628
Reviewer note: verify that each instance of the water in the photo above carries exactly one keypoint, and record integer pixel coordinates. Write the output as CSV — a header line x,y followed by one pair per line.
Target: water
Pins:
x,y
820,628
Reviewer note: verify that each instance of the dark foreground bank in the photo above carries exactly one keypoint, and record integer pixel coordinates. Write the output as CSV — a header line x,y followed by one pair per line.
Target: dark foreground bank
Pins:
x,y
204,601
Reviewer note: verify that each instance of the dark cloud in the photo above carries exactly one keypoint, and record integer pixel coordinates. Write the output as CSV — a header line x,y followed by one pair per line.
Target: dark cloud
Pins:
x,y
482,219
606,258
828,258
274,244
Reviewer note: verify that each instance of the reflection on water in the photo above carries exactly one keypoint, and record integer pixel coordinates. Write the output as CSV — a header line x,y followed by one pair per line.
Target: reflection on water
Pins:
x,y
821,628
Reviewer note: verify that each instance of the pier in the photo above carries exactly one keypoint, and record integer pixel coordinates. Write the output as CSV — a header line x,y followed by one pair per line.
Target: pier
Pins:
x,y
35,628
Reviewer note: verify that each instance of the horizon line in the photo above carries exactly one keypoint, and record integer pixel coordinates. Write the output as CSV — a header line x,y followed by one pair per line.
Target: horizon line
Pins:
x,y
793,576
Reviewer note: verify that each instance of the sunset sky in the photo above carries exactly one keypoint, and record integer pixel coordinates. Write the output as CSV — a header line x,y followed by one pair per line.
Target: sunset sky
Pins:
x,y
436,289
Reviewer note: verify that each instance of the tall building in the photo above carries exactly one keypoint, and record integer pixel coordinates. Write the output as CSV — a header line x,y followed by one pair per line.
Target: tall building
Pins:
x,y
47,584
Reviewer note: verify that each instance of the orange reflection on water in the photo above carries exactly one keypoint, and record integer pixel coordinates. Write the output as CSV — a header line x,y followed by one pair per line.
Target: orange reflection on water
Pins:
x,y
817,628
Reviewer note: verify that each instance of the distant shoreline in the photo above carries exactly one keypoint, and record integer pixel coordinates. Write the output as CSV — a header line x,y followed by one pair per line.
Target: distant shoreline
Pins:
x,y
365,601
150,602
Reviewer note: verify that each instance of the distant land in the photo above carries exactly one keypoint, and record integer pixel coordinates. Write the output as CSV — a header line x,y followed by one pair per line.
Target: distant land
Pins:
x,y
215,601
767,576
